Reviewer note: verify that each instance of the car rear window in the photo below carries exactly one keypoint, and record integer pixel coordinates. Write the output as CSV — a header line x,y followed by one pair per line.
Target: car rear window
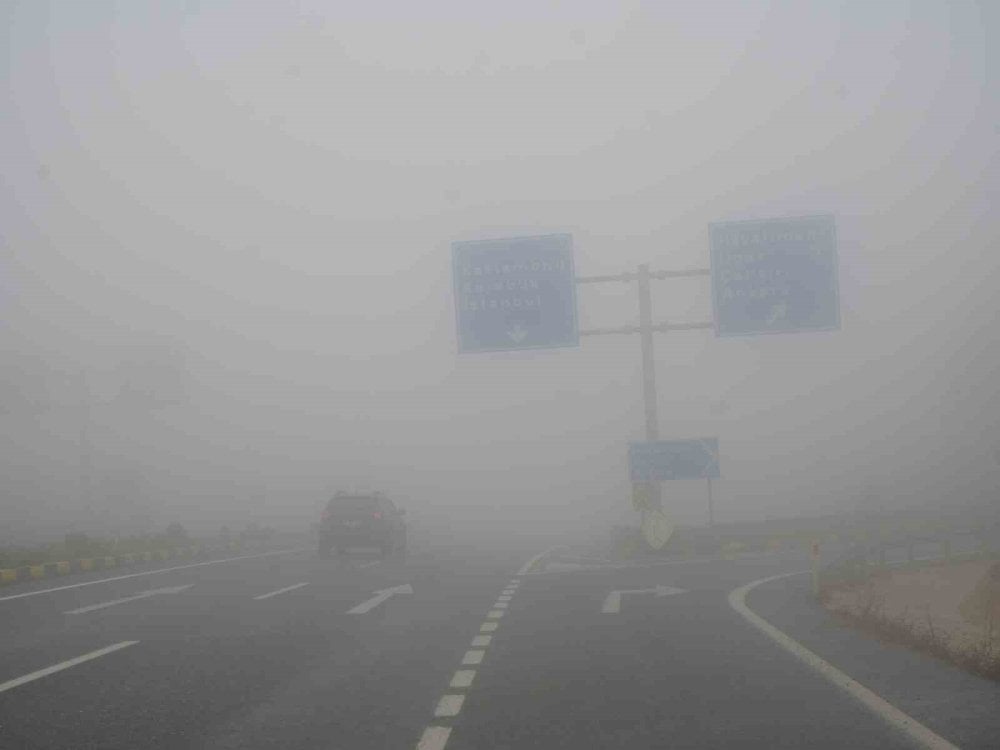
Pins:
x,y
353,504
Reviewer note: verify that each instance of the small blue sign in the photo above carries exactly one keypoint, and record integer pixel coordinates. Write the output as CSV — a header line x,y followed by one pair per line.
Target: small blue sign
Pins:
x,y
775,276
516,293
663,460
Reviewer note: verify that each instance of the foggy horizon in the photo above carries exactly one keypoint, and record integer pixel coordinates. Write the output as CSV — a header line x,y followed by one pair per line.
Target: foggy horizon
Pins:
x,y
262,203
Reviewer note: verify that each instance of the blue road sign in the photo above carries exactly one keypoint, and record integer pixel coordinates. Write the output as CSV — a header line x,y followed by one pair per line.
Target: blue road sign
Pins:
x,y
516,293
662,460
775,276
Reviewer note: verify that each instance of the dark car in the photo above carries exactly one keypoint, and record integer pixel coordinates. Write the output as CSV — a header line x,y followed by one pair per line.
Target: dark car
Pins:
x,y
361,520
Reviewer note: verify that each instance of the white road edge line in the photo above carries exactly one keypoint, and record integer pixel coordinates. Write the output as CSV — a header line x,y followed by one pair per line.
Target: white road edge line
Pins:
x,y
149,573
269,594
531,563
884,710
10,684
434,738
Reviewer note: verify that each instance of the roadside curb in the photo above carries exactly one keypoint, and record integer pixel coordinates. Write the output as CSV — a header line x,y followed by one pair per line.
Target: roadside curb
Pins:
x,y
61,568
880,707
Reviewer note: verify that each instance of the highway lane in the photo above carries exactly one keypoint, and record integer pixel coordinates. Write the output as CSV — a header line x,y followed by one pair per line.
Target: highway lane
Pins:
x,y
216,667
265,652
681,670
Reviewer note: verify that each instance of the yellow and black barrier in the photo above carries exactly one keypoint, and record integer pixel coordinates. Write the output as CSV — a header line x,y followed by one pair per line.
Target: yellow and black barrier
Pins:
x,y
88,564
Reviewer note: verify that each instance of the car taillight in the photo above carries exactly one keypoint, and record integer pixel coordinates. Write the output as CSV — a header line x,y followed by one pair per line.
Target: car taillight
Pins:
x,y
377,515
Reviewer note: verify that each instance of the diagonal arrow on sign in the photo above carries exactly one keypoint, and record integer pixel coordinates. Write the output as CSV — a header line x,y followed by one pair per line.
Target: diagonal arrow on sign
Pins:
x,y
142,595
613,601
380,596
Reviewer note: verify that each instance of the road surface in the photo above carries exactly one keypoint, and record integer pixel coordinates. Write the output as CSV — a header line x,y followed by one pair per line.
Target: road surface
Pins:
x,y
460,649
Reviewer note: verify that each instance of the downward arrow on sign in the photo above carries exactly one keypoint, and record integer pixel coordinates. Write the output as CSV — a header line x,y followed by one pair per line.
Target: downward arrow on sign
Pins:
x,y
517,333
613,601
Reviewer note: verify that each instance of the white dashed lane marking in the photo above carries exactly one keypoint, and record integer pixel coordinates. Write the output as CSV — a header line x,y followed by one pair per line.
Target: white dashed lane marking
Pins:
x,y
463,678
11,684
434,738
269,594
473,657
449,705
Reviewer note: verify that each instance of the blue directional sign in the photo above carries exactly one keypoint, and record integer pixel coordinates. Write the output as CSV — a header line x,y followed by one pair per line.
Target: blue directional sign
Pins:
x,y
516,293
775,276
662,460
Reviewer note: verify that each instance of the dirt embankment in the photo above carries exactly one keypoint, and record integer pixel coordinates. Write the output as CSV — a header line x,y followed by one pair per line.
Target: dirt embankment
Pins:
x,y
951,610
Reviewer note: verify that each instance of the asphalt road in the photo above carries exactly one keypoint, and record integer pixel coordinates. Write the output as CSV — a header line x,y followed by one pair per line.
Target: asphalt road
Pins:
x,y
459,650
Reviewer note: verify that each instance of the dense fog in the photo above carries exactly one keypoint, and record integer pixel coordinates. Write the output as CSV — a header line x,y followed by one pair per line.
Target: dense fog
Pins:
x,y
225,279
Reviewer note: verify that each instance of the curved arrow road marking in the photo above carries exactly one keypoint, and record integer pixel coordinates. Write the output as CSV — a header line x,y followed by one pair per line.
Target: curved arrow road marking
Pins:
x,y
613,601
380,596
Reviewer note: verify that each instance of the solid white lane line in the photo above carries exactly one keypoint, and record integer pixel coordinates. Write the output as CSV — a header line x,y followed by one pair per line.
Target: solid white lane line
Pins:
x,y
124,599
463,678
499,605
495,614
148,573
482,640
434,738
10,684
504,598
906,724
449,705
269,594
488,627
472,658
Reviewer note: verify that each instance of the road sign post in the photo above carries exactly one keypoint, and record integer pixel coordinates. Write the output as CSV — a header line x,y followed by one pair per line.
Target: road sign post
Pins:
x,y
515,293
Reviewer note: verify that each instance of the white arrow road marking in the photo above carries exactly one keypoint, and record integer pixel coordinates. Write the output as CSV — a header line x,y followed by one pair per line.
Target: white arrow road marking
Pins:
x,y
613,602
143,595
64,665
380,596
269,594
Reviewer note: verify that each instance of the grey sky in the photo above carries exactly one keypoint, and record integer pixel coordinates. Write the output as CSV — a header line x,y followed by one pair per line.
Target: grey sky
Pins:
x,y
274,191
